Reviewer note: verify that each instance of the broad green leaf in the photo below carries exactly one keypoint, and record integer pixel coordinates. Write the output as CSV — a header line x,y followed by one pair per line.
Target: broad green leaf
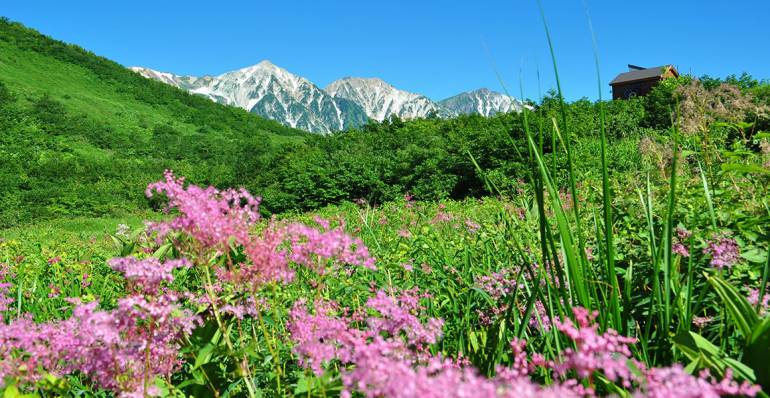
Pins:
x,y
744,168
704,345
742,369
474,341
162,251
757,354
755,255
741,312
204,355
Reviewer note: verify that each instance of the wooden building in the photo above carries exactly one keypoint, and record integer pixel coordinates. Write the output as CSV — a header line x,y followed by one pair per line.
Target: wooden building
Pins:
x,y
639,81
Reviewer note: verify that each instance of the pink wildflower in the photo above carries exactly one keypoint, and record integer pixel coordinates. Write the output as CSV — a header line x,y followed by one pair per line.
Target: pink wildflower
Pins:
x,y
701,321
308,245
147,274
54,291
753,299
608,352
683,234
472,226
724,252
680,249
85,281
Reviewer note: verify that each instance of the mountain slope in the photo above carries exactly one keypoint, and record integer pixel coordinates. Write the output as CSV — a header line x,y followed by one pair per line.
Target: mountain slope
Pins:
x,y
380,100
271,92
83,135
482,101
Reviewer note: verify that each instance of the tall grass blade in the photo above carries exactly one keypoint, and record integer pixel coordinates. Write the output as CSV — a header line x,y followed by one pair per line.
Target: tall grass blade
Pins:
x,y
609,242
740,310
709,201
565,128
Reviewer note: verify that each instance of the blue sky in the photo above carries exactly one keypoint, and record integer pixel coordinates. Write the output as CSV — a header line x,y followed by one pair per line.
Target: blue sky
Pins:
x,y
431,47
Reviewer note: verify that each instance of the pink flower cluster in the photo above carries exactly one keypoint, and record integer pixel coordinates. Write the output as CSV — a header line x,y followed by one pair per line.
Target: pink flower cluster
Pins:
x,y
500,285
724,252
753,299
330,333
123,350
309,246
678,247
608,352
5,300
209,215
472,226
147,274
386,360
675,382
221,220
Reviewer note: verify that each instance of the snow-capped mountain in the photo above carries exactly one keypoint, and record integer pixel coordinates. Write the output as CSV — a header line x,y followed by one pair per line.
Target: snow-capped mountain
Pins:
x,y
481,101
380,100
275,93
184,82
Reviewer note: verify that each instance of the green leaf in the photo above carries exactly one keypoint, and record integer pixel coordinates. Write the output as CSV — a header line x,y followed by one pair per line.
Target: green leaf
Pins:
x,y
741,312
742,369
204,355
474,341
11,392
703,354
704,345
758,351
744,168
161,252
755,255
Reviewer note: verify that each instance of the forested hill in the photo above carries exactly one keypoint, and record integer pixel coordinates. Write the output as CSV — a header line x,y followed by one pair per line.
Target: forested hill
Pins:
x,y
82,134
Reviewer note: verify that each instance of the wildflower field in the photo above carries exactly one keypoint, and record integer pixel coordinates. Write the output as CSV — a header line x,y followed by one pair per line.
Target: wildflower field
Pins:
x,y
615,248
527,295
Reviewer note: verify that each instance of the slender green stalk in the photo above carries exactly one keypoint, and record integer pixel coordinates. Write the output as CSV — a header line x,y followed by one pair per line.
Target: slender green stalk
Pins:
x,y
566,141
707,191
606,196
574,266
765,274
668,270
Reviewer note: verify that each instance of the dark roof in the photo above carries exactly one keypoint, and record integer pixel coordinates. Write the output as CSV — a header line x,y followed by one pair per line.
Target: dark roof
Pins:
x,y
642,74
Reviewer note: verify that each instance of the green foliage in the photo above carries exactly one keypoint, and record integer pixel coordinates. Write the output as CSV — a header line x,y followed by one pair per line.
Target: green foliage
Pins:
x,y
82,135
661,103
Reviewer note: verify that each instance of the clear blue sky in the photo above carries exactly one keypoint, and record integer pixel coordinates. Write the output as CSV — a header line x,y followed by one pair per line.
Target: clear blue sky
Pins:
x,y
431,47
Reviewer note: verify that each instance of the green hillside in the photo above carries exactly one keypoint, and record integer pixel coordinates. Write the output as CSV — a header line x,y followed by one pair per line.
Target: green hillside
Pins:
x,y
82,134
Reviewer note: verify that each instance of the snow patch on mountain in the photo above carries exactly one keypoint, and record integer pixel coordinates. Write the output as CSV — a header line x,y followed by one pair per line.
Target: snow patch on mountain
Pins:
x,y
483,102
380,100
277,94
271,92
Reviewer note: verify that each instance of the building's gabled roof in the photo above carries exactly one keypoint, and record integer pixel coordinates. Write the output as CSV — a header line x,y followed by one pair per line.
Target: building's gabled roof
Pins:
x,y
641,74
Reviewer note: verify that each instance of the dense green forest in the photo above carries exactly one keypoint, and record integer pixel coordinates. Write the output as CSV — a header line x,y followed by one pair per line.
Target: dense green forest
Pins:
x,y
82,135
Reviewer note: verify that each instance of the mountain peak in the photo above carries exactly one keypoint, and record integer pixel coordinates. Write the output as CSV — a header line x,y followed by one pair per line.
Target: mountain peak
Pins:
x,y
275,93
482,90
482,101
380,100
361,80
264,67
